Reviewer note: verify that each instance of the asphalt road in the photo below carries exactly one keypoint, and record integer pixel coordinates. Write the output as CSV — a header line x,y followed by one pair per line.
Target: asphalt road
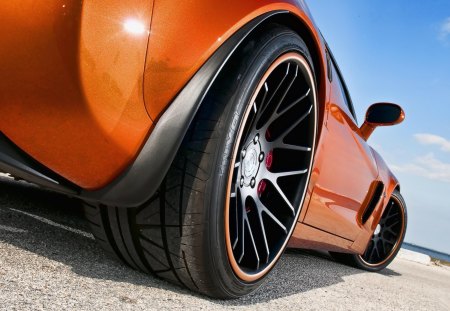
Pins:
x,y
49,261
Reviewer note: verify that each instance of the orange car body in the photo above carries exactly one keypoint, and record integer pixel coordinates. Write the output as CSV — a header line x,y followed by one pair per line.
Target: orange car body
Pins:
x,y
83,84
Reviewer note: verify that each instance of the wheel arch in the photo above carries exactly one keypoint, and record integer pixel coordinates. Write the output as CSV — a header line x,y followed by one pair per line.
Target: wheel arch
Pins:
x,y
316,49
296,23
141,180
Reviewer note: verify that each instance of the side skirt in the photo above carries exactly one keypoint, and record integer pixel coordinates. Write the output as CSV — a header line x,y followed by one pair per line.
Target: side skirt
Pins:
x,y
15,162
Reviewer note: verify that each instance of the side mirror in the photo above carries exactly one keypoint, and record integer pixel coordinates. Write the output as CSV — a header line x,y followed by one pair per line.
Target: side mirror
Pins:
x,y
381,114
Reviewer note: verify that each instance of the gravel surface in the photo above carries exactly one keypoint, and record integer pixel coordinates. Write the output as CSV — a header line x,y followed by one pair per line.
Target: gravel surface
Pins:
x,y
49,261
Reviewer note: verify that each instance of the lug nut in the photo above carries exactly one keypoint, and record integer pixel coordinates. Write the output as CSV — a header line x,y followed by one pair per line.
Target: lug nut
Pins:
x,y
269,160
242,181
243,153
252,182
261,187
261,156
256,139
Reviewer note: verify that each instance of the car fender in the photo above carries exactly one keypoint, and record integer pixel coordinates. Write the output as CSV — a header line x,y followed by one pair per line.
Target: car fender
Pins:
x,y
391,183
141,180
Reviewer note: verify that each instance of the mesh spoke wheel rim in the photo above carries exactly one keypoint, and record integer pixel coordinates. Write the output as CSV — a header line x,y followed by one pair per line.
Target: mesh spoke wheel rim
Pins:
x,y
387,236
271,166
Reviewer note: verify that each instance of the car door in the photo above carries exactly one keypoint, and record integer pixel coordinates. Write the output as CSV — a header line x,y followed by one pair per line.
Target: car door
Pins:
x,y
345,167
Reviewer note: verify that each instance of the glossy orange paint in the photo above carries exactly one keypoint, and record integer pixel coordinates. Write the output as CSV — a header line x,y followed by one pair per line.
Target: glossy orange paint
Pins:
x,y
178,49
71,84
347,171
308,237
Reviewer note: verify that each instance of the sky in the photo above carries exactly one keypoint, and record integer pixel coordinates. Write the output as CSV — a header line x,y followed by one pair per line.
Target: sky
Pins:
x,y
399,51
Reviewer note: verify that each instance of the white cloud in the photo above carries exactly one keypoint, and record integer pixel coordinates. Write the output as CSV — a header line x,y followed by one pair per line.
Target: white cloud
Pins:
x,y
444,31
427,166
430,139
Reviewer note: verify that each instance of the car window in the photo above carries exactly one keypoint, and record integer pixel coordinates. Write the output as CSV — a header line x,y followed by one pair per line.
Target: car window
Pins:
x,y
345,94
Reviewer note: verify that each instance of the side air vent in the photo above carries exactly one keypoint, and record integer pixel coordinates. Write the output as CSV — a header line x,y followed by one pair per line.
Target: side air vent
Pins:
x,y
373,202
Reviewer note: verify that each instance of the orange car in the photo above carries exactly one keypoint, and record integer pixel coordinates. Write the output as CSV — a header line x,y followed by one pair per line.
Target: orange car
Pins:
x,y
204,136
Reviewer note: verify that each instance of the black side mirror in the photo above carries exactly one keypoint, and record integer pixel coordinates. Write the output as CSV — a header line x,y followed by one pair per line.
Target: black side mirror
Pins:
x,y
381,114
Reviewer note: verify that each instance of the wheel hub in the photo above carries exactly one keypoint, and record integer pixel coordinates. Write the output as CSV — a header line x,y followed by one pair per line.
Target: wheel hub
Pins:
x,y
251,158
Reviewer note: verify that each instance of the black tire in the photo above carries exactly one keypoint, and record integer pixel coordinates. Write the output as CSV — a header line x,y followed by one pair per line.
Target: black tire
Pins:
x,y
379,263
179,234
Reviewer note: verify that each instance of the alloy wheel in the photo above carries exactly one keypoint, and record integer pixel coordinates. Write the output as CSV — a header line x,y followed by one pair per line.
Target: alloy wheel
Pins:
x,y
387,235
271,166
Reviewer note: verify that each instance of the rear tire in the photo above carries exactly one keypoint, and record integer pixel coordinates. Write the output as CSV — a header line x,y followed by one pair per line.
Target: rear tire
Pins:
x,y
179,234
384,245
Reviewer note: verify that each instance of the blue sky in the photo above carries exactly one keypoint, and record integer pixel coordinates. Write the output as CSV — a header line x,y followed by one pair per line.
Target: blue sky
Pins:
x,y
399,51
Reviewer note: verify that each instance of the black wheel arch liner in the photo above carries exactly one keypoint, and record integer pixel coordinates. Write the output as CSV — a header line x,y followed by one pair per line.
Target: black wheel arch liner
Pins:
x,y
141,179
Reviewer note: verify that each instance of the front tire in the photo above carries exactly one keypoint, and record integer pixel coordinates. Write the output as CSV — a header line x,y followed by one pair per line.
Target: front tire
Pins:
x,y
186,233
